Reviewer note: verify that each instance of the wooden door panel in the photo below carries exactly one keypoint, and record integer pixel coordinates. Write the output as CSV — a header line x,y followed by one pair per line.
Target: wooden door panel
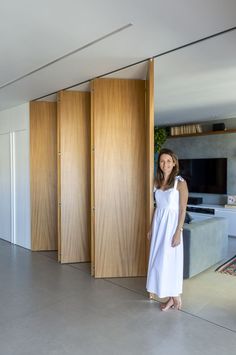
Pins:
x,y
119,177
74,176
43,175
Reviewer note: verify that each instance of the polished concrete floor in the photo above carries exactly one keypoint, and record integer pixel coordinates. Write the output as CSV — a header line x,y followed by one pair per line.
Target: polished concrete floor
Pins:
x,y
52,309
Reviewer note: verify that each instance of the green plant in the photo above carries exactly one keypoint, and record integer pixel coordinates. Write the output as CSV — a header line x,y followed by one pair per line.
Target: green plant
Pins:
x,y
160,135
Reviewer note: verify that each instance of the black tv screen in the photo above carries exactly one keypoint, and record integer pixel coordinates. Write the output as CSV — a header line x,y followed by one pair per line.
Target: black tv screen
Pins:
x,y
205,175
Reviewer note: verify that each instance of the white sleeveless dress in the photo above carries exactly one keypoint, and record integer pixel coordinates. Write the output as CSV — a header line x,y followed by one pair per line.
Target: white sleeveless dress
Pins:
x,y
165,268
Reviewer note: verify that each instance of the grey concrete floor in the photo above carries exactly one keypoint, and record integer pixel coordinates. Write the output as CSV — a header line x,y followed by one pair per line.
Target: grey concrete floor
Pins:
x,y
48,308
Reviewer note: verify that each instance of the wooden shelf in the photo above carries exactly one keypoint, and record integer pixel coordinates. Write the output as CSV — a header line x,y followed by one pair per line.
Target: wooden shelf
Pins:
x,y
203,133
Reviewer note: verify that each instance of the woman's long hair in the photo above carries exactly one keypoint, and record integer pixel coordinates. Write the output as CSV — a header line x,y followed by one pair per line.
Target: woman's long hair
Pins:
x,y
160,176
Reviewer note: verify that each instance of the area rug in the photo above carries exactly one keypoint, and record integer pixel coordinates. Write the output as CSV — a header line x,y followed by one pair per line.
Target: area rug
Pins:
x,y
228,268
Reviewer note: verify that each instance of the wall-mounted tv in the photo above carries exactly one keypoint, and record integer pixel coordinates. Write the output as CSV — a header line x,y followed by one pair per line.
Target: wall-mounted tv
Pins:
x,y
205,175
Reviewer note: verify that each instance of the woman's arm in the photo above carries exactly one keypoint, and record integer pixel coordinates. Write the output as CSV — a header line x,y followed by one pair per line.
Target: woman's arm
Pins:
x,y
154,208
183,199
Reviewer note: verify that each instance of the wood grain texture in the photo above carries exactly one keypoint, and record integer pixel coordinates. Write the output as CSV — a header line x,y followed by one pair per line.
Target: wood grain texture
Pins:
x,y
119,177
92,187
74,118
149,148
43,175
59,176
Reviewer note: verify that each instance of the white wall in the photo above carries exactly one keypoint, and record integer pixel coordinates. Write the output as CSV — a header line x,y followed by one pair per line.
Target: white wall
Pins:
x,y
14,176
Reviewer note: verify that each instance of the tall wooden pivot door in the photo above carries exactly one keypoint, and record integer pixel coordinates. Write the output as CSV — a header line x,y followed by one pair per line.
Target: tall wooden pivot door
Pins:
x,y
74,176
43,175
149,147
119,183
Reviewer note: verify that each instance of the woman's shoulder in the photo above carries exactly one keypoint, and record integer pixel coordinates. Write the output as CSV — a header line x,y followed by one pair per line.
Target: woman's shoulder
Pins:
x,y
179,178
181,183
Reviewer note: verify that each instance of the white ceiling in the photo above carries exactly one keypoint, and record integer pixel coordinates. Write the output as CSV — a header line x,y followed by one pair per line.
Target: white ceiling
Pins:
x,y
197,83
53,44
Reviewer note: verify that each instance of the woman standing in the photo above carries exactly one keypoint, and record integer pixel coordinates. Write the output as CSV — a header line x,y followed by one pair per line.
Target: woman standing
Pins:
x,y
165,269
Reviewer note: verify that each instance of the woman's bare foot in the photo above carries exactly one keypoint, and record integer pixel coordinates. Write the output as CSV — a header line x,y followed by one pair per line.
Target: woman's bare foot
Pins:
x,y
177,302
167,305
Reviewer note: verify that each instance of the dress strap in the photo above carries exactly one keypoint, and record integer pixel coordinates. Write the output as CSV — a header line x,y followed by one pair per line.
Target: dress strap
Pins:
x,y
177,178
175,184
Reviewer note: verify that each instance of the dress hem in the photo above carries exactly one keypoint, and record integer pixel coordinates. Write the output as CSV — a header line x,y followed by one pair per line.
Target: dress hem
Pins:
x,y
169,295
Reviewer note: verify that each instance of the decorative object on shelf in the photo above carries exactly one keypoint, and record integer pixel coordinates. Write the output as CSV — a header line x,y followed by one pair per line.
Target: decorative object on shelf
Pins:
x,y
160,135
218,127
185,129
203,133
231,200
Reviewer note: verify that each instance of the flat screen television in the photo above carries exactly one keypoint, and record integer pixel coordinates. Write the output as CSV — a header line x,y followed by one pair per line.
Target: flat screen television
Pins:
x,y
205,175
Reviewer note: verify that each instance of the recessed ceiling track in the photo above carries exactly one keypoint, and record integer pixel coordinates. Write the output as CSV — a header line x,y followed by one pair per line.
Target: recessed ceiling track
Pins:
x,y
197,41
69,54
144,60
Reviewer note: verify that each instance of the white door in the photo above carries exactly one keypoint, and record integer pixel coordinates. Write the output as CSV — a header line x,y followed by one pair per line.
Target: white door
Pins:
x,y
21,210
5,187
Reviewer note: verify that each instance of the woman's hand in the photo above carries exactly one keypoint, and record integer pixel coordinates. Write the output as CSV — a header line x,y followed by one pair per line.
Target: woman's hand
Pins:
x,y
176,239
